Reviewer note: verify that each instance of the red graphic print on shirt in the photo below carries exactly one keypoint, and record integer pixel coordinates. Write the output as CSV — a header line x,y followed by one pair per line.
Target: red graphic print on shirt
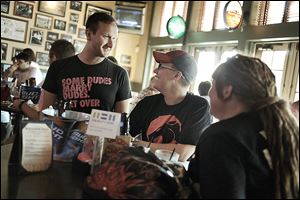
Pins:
x,y
76,89
164,129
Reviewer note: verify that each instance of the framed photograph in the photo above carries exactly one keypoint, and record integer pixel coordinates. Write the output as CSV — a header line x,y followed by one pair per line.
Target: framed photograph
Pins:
x,y
60,24
13,29
76,5
23,9
48,45
125,59
74,17
52,36
43,21
36,36
53,7
15,51
81,33
79,45
90,9
3,50
66,37
4,66
42,58
72,28
5,6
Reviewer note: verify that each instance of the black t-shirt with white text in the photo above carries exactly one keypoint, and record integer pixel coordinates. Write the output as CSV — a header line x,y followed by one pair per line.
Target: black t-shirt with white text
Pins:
x,y
86,86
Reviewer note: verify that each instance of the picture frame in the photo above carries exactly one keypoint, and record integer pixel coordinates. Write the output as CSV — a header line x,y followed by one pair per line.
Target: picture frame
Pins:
x,y
13,29
15,51
52,36
42,58
81,33
79,45
4,47
74,17
66,37
125,59
72,28
36,36
5,6
60,25
48,45
43,21
76,5
90,9
4,66
57,8
23,9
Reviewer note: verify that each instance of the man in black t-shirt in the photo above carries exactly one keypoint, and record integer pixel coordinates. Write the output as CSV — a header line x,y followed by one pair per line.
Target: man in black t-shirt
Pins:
x,y
89,80
174,118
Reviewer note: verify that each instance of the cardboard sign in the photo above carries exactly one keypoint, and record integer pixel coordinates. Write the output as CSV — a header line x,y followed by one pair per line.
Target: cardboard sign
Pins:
x,y
30,93
104,124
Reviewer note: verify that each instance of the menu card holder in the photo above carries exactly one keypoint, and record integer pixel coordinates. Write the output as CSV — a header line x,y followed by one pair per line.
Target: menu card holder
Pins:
x,y
35,147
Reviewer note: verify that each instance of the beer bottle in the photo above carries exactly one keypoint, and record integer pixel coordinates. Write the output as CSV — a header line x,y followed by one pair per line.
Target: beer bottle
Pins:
x,y
123,124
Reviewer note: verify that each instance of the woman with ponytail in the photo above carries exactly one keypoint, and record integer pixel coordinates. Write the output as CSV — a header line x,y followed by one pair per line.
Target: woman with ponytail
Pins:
x,y
253,151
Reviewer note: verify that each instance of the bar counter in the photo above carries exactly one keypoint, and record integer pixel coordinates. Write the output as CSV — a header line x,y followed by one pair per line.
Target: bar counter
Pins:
x,y
58,182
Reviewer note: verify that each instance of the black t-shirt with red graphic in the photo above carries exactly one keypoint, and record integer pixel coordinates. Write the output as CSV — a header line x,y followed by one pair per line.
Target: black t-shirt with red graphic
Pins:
x,y
160,123
88,87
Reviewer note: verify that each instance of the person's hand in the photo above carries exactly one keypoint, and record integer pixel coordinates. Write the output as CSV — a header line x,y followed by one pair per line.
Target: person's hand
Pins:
x,y
17,103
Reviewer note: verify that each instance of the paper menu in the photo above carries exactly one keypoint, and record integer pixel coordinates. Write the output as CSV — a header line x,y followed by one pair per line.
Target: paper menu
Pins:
x,y
104,124
36,147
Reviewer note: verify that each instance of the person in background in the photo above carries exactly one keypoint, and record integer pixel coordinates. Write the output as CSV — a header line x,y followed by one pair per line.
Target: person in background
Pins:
x,y
60,49
175,118
32,57
148,91
22,71
113,59
89,80
253,151
203,89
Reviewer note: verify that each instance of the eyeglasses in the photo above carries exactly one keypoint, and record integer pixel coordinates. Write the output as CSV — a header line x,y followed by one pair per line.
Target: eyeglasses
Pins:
x,y
160,66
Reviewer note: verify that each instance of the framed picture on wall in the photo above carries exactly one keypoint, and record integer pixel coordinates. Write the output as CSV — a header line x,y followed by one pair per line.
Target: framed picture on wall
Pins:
x,y
15,51
90,9
36,36
43,21
3,50
81,33
125,59
66,37
53,7
13,29
76,5
72,28
42,58
48,45
23,9
60,24
52,36
5,6
74,17
79,45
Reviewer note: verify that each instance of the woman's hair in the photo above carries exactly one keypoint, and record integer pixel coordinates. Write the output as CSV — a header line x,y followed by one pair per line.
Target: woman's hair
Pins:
x,y
253,83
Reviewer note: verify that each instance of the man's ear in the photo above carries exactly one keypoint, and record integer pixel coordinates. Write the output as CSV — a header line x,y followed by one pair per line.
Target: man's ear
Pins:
x,y
227,92
88,34
178,75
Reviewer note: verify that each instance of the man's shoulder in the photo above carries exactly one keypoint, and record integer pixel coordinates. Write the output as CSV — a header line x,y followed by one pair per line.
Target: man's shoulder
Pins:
x,y
65,60
195,99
